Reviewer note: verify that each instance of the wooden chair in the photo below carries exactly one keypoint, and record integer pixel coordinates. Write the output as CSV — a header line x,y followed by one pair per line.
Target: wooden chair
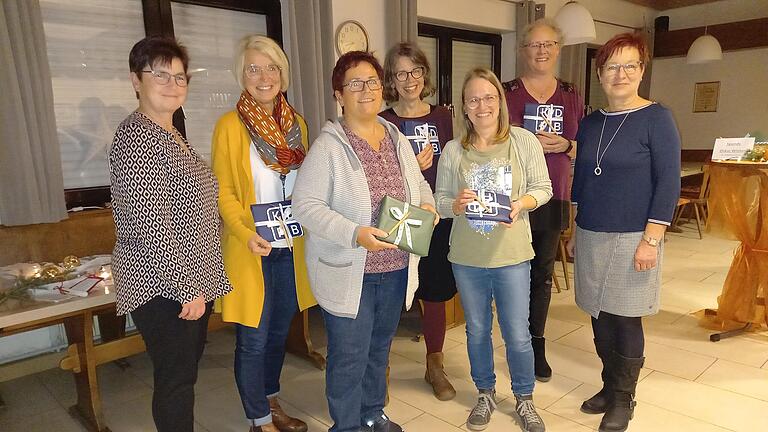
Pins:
x,y
699,204
564,236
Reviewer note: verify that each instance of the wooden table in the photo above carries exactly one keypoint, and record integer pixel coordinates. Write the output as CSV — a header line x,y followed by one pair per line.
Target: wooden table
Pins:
x,y
83,355
89,233
738,209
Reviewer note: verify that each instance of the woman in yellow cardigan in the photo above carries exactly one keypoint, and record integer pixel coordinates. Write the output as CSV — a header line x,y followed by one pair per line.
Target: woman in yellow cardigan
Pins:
x,y
257,149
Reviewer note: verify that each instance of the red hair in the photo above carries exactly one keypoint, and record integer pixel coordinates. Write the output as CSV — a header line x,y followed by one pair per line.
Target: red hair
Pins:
x,y
350,60
620,41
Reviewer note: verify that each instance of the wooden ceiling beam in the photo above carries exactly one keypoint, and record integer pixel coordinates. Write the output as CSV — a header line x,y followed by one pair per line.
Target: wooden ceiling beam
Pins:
x,y
732,36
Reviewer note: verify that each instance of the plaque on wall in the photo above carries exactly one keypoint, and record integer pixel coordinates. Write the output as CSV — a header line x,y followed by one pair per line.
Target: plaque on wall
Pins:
x,y
705,96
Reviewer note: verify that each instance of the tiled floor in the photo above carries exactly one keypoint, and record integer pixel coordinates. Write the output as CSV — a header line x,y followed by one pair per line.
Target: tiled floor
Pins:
x,y
688,383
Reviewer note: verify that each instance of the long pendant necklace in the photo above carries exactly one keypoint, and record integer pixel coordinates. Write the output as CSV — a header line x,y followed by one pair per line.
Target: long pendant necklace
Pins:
x,y
598,156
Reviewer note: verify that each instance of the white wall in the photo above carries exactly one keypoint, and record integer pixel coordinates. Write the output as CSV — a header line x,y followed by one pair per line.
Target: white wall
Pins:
x,y
724,11
484,15
615,11
370,13
743,104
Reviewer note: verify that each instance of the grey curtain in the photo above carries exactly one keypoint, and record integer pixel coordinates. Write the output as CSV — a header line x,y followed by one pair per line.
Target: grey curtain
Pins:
x,y
309,27
573,66
402,22
31,181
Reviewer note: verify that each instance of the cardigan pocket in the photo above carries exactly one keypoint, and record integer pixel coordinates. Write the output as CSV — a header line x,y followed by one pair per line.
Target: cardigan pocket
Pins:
x,y
333,281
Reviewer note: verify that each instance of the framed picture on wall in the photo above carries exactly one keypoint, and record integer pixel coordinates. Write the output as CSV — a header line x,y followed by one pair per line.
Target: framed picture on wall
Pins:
x,y
705,96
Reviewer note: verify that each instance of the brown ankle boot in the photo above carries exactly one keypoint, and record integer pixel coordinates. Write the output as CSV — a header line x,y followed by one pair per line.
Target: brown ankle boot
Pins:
x,y
283,421
437,377
386,391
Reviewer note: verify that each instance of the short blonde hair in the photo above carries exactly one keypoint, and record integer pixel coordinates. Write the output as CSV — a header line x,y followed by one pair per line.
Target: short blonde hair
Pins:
x,y
269,48
542,22
469,134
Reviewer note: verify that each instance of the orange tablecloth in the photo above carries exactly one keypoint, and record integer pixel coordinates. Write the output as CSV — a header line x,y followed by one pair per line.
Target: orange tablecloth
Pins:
x,y
738,209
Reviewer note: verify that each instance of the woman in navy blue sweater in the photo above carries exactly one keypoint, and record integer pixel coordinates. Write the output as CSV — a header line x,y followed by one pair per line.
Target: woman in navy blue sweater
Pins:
x,y
626,185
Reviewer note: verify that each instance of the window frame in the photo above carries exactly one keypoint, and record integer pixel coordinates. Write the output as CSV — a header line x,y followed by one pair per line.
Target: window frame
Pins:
x,y
444,67
158,21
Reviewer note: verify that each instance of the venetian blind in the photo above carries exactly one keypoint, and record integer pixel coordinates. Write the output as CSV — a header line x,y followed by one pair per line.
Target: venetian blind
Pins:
x,y
466,56
88,42
211,37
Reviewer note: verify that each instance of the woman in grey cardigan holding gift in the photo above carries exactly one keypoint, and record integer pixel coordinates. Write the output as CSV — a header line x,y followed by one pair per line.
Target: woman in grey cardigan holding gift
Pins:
x,y
491,259
358,280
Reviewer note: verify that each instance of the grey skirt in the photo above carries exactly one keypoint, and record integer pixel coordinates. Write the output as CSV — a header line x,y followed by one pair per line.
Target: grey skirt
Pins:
x,y
605,275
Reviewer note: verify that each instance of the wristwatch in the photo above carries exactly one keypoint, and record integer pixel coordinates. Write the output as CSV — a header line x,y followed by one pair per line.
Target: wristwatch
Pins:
x,y
650,240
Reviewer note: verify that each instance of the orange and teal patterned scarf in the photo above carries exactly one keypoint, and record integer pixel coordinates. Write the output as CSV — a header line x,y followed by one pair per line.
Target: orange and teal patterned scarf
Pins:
x,y
277,135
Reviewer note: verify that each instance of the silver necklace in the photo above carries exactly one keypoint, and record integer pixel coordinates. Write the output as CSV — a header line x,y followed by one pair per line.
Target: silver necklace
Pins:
x,y
598,156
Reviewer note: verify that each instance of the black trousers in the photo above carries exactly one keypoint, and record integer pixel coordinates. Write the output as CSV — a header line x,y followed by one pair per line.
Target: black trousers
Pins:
x,y
175,346
542,268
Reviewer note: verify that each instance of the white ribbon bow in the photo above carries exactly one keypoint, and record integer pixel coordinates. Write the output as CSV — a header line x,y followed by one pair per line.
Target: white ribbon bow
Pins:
x,y
403,224
488,206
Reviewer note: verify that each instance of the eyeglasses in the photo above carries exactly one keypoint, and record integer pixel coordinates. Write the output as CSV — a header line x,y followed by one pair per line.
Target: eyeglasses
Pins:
x,y
358,85
630,68
164,78
547,45
416,73
489,100
253,71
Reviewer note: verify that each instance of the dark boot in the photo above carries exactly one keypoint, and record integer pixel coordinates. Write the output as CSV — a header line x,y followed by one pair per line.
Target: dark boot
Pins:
x,y
541,368
625,372
283,421
437,377
600,402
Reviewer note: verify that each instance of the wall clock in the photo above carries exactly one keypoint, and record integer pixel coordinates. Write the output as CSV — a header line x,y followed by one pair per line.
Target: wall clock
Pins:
x,y
351,36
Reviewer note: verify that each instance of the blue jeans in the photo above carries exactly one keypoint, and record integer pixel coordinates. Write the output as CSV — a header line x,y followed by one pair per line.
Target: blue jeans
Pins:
x,y
259,352
510,287
358,351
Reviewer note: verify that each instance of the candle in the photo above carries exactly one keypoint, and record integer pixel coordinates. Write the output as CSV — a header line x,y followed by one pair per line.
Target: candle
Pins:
x,y
35,271
104,273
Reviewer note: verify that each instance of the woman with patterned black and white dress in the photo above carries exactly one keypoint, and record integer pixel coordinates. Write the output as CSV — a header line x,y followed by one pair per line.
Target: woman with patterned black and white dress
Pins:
x,y
167,262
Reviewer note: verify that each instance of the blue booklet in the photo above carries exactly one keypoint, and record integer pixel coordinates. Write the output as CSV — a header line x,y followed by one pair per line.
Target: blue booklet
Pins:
x,y
490,206
274,221
543,118
421,134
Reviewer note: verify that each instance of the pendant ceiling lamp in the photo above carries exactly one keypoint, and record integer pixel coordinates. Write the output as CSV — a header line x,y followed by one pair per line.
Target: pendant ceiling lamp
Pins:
x,y
576,23
704,49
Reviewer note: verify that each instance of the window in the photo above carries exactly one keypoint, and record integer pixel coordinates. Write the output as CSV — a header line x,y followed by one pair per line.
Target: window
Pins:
x,y
211,36
454,52
88,44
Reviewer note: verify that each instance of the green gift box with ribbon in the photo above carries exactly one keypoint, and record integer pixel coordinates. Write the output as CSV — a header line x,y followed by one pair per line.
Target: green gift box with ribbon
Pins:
x,y
409,227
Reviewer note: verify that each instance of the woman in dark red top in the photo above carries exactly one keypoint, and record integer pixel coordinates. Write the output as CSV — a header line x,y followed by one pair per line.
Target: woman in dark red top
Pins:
x,y
551,109
428,127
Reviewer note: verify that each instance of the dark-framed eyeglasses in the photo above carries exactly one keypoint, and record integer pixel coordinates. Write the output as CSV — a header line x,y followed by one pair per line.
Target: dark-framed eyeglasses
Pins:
x,y
630,68
489,100
358,85
163,78
416,73
253,71
547,45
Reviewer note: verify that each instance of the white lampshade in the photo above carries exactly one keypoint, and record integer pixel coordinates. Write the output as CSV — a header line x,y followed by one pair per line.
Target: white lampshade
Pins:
x,y
576,23
704,49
